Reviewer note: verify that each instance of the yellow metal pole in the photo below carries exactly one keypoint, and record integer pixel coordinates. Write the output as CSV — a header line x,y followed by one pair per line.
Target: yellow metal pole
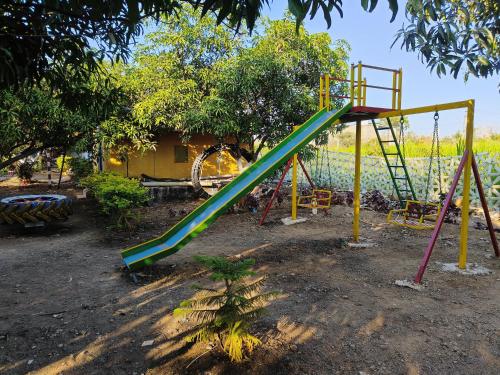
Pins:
x,y
294,183
357,182
321,89
464,227
426,109
360,67
352,84
294,187
400,86
327,91
394,89
364,92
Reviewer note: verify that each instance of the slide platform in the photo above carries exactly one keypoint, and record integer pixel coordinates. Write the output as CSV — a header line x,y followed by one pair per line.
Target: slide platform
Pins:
x,y
193,224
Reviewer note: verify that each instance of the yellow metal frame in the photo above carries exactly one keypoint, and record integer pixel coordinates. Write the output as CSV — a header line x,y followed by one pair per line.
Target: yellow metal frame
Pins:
x,y
313,201
469,133
401,216
359,85
358,96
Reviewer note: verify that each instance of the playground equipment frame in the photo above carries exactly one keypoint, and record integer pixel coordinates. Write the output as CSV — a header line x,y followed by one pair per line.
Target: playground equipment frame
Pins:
x,y
360,111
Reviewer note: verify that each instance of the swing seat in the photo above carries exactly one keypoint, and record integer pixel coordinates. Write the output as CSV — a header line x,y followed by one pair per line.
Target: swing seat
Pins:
x,y
318,199
416,215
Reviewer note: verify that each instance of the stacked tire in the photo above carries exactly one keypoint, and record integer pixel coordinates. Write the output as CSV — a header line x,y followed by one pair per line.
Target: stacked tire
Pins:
x,y
34,209
196,170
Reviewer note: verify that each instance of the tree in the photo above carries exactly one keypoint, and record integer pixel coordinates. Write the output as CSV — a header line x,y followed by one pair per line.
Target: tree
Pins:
x,y
35,118
173,70
451,35
271,86
195,77
40,38
226,316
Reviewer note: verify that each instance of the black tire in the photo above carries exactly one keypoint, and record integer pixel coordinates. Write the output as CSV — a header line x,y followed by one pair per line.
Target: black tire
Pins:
x,y
31,209
197,167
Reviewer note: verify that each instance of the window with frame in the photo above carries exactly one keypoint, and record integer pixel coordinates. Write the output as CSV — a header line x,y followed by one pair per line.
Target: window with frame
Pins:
x,y
180,154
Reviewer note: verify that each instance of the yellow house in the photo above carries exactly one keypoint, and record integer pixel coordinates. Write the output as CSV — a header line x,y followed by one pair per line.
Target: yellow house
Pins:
x,y
173,159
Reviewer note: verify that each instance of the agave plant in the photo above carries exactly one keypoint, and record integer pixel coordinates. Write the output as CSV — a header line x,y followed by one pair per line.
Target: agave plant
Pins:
x,y
225,316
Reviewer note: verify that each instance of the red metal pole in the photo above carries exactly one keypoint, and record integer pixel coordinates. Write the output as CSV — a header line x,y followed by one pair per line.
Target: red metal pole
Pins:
x,y
477,177
307,174
440,221
275,193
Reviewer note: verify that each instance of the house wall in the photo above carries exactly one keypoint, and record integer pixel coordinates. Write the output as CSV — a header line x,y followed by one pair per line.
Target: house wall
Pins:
x,y
161,162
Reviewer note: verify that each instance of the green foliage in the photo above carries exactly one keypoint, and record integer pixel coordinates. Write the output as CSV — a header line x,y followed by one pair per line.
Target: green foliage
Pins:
x,y
270,86
194,77
173,70
225,316
117,196
80,167
420,147
59,162
35,118
460,145
25,170
40,39
454,35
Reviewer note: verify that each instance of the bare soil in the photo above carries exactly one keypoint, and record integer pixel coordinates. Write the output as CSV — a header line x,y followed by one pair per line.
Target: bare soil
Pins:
x,y
68,307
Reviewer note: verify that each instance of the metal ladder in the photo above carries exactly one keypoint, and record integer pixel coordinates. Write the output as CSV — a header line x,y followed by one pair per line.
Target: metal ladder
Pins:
x,y
401,181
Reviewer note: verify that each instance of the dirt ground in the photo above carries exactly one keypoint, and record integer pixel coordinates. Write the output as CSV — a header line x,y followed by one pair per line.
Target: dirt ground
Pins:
x,y
68,307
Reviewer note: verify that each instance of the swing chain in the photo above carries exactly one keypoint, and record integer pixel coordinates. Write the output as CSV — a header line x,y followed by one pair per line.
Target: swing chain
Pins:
x,y
403,147
438,150
435,144
402,134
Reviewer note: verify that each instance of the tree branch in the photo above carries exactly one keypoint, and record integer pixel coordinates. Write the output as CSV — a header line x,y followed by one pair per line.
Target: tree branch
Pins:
x,y
27,152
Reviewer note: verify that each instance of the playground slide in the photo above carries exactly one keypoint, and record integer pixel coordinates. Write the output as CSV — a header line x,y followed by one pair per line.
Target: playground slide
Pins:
x,y
180,234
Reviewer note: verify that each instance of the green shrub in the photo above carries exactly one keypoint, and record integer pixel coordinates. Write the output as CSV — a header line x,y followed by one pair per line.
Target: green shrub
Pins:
x,y
80,167
25,170
225,317
66,163
117,196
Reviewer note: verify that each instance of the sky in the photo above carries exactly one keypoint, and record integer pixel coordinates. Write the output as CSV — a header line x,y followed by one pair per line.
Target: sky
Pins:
x,y
371,35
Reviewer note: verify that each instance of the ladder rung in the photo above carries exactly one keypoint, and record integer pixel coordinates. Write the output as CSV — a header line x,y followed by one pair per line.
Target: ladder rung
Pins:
x,y
400,178
391,153
390,141
384,128
396,166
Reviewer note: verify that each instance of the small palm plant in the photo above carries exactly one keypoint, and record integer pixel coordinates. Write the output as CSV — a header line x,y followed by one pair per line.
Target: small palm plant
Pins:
x,y
225,316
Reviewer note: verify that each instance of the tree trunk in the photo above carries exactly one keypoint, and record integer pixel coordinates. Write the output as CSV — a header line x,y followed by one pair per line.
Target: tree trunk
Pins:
x,y
22,155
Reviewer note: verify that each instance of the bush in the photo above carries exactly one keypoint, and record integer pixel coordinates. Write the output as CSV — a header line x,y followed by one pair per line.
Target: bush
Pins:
x,y
66,163
117,196
25,170
80,167
226,316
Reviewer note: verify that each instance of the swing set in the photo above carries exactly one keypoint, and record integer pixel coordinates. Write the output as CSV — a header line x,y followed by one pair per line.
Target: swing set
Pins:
x,y
318,199
420,214
414,213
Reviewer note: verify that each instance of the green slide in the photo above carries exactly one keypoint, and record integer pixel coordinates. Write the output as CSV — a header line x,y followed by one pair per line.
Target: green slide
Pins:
x,y
180,234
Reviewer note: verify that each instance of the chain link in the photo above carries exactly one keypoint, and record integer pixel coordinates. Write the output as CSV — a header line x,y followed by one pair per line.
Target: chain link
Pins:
x,y
435,144
403,150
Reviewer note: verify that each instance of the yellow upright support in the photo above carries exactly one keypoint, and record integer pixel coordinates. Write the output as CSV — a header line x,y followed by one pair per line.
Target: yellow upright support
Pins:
x,y
364,92
321,91
327,91
400,86
394,89
360,83
352,84
294,183
357,182
464,228
294,187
